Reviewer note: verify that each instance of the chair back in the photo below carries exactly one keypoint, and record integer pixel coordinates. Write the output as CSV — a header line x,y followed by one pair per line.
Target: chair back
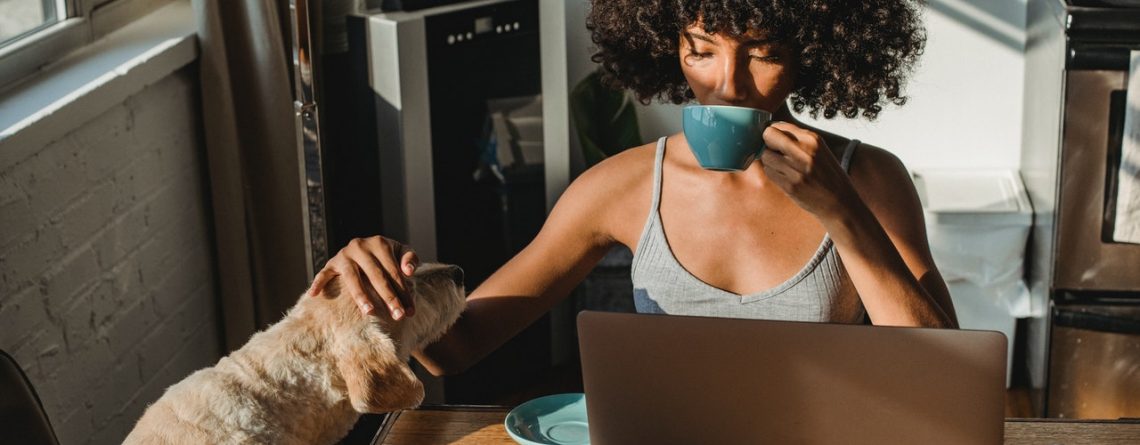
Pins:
x,y
22,416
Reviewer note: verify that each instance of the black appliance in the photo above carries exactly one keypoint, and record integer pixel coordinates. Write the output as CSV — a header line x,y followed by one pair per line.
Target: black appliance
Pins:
x,y
456,102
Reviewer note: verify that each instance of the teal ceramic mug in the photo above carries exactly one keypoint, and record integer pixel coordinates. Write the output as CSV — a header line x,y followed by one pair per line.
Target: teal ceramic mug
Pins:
x,y
723,137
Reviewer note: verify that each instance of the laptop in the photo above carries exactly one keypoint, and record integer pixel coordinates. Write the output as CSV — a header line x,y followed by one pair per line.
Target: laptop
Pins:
x,y
663,379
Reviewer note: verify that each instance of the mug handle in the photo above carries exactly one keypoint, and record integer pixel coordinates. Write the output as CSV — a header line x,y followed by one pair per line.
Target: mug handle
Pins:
x,y
763,145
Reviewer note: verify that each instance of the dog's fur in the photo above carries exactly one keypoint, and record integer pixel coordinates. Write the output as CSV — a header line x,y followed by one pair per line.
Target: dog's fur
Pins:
x,y
307,378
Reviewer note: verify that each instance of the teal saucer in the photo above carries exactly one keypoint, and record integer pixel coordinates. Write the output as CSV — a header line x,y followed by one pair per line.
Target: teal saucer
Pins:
x,y
558,419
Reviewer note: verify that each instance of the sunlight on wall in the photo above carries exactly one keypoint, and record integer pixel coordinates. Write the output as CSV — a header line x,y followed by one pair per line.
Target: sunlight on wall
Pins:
x,y
965,97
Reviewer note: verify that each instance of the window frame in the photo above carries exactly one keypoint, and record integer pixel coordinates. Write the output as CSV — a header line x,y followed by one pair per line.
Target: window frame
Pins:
x,y
81,23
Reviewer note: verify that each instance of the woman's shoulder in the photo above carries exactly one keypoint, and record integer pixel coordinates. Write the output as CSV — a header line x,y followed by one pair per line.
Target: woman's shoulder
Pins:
x,y
620,173
614,193
876,168
870,167
884,183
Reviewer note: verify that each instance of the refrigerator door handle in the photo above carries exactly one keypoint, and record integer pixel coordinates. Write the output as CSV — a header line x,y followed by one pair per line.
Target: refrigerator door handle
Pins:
x,y
1097,56
1096,322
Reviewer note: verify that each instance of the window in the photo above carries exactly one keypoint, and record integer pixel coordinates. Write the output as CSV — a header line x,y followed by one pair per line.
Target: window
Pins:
x,y
34,33
22,17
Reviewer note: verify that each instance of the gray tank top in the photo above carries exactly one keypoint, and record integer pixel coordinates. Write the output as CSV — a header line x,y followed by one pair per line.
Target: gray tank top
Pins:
x,y
821,291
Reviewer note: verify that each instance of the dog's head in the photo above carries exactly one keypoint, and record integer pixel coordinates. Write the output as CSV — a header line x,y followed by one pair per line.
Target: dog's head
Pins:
x,y
372,355
439,299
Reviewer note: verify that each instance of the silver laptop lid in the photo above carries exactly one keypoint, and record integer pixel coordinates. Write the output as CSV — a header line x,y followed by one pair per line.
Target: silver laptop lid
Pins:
x,y
696,380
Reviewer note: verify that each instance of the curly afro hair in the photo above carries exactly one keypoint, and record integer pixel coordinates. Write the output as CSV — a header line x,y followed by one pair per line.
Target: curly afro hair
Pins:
x,y
853,55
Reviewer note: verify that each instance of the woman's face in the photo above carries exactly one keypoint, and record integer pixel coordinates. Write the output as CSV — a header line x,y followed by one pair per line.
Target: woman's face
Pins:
x,y
748,71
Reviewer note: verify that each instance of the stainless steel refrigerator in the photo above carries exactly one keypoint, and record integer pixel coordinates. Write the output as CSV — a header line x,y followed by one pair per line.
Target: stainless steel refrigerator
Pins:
x,y
1084,345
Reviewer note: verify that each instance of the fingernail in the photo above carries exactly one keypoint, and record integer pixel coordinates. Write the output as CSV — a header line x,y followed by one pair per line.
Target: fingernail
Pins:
x,y
409,269
397,313
366,308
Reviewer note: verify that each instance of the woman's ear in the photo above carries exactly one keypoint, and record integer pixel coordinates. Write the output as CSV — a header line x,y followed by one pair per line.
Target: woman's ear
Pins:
x,y
376,379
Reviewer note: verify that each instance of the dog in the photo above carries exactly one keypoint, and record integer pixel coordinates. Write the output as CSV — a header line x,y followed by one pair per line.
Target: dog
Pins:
x,y
307,378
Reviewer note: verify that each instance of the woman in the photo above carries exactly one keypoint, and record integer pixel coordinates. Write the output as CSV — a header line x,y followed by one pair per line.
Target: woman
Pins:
x,y
821,228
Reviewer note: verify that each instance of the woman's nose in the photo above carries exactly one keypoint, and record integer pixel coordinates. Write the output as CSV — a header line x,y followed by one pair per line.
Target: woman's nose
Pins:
x,y
734,83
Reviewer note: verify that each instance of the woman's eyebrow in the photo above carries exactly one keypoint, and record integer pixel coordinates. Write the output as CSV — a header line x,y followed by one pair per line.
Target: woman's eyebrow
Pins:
x,y
700,37
707,38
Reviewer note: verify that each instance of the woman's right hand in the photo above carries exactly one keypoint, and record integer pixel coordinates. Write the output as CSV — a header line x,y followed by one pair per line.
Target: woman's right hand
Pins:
x,y
372,267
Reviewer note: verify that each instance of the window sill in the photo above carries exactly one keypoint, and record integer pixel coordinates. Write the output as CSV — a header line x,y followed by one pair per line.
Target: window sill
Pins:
x,y
85,84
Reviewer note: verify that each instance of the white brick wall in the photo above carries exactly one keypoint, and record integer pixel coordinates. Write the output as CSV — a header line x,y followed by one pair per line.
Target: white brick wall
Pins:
x,y
107,287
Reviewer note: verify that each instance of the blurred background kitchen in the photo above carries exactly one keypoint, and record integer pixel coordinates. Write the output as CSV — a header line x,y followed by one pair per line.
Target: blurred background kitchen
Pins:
x,y
173,172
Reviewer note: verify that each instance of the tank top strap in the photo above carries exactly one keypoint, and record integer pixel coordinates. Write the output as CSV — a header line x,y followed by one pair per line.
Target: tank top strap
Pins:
x,y
848,152
658,165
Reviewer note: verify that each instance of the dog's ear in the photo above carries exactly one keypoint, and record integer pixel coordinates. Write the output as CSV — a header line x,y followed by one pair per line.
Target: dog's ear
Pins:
x,y
376,379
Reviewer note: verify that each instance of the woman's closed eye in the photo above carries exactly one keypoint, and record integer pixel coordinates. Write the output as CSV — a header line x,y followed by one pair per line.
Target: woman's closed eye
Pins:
x,y
699,55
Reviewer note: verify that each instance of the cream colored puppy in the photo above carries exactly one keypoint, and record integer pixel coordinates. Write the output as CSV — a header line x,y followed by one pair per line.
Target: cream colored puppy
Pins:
x,y
307,378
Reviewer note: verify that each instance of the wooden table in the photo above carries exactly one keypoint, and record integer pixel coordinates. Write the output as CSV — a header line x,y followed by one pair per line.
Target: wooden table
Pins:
x,y
482,425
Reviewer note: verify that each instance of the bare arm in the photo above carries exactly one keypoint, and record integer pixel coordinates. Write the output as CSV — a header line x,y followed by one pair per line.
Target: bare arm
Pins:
x,y
527,286
877,227
577,233
882,240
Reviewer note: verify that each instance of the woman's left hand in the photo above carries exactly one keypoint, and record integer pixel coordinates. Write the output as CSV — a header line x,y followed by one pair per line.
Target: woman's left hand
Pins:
x,y
801,164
